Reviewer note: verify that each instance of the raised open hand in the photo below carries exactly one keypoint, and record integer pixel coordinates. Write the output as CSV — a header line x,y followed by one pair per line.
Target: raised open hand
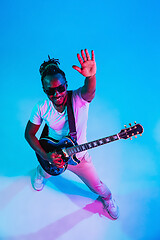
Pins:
x,y
88,65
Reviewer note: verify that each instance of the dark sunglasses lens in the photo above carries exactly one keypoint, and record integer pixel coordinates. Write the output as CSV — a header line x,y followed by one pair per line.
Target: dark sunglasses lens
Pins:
x,y
61,88
52,91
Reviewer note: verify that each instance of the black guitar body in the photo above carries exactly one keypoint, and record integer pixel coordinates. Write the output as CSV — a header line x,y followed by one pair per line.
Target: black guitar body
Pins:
x,y
50,145
67,147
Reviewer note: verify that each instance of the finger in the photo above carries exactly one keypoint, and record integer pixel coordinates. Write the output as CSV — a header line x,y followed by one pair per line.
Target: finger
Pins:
x,y
77,68
79,59
56,157
87,54
83,55
57,160
61,166
58,154
60,163
93,57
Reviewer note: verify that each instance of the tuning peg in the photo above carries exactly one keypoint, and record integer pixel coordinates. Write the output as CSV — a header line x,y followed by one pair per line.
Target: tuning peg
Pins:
x,y
130,124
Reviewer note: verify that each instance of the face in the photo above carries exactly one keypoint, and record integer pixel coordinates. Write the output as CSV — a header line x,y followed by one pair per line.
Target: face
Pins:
x,y
56,89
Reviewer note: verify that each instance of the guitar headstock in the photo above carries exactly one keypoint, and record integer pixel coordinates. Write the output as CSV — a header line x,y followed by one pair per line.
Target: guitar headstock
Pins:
x,y
134,130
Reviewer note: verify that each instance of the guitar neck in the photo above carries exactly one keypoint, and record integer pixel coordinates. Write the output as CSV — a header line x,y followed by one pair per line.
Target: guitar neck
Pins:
x,y
93,144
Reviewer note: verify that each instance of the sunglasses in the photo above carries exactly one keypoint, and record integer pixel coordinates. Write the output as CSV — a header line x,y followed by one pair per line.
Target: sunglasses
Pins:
x,y
51,91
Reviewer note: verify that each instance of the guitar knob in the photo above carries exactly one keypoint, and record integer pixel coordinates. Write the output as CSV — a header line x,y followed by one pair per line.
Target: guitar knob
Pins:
x,y
130,124
135,136
135,122
125,126
130,138
140,135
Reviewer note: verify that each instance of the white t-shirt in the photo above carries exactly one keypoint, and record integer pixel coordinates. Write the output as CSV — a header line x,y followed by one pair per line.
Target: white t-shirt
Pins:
x,y
58,122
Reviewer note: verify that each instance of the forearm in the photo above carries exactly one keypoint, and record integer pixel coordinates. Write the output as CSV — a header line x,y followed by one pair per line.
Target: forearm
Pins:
x,y
35,145
89,88
49,157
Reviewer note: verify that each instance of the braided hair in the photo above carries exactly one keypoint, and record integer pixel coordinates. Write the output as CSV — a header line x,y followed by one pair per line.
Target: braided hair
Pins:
x,y
50,68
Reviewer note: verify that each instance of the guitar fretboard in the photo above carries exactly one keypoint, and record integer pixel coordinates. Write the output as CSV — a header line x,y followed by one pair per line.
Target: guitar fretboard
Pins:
x,y
93,144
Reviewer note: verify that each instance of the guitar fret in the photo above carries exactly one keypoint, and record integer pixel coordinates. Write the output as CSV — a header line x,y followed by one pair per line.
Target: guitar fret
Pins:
x,y
69,151
111,138
85,146
89,145
72,150
115,137
101,141
95,144
78,149
107,139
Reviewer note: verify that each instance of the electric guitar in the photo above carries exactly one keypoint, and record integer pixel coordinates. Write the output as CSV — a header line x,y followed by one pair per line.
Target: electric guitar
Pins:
x,y
68,148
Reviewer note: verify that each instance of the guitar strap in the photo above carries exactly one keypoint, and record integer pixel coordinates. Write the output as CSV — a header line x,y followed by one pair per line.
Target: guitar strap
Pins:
x,y
71,119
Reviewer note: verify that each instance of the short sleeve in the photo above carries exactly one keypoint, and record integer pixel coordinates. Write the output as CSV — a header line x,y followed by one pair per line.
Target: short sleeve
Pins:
x,y
78,97
36,115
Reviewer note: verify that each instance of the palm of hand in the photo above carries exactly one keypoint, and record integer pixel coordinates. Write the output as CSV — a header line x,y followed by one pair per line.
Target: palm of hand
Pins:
x,y
88,68
88,65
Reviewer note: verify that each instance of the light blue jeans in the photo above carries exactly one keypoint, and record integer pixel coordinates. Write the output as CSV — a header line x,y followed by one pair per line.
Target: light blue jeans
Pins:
x,y
86,171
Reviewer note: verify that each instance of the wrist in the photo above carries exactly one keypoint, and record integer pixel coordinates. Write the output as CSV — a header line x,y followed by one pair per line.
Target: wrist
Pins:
x,y
92,76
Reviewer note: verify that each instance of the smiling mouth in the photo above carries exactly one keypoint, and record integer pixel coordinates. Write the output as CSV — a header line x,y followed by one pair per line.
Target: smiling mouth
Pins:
x,y
57,98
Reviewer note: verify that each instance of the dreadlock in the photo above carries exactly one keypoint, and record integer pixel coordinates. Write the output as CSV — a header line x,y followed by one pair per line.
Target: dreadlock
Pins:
x,y
50,68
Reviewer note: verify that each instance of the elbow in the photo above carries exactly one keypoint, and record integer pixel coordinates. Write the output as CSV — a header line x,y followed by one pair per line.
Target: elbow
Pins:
x,y
91,96
26,135
88,95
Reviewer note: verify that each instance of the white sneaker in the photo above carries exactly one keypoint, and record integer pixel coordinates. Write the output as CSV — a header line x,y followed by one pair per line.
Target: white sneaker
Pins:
x,y
111,207
38,181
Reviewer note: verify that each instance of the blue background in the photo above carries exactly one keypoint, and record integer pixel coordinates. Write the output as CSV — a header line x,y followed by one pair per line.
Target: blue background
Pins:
x,y
125,36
